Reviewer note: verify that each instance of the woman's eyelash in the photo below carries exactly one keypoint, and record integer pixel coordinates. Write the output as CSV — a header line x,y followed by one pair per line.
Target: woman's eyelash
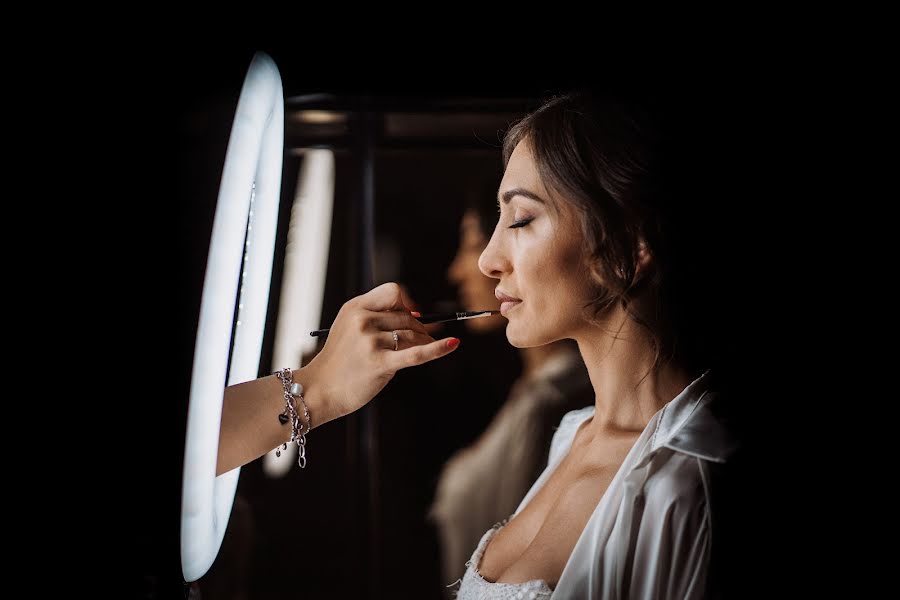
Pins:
x,y
521,223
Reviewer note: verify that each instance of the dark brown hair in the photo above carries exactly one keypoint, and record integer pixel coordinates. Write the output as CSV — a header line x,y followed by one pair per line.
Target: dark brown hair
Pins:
x,y
615,161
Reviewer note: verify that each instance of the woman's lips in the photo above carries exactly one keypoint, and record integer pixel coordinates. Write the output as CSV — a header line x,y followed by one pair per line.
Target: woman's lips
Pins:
x,y
507,306
507,302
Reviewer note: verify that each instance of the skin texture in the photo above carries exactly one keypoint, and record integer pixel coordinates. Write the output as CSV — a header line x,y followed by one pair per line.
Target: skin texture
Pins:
x,y
476,290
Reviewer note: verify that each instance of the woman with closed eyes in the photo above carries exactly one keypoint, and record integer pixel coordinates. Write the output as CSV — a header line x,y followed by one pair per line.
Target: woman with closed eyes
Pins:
x,y
599,240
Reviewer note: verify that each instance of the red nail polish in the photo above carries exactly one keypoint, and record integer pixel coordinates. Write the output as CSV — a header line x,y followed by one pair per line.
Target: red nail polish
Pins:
x,y
452,343
416,314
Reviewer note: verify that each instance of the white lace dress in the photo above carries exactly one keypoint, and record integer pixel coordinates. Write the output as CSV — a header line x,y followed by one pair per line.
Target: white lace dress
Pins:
x,y
476,587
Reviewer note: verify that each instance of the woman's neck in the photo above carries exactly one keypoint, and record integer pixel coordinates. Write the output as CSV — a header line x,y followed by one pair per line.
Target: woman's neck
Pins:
x,y
629,388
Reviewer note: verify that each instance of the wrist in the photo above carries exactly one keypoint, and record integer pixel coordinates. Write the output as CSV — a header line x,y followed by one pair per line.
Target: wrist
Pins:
x,y
318,397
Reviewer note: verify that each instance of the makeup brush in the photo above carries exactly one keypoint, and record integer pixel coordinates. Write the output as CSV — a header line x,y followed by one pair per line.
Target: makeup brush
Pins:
x,y
440,317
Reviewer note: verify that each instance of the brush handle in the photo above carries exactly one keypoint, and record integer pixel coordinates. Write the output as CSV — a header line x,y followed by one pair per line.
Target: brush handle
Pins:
x,y
429,318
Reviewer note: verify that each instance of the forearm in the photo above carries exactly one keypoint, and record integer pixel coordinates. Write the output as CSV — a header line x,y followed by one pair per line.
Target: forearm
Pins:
x,y
250,425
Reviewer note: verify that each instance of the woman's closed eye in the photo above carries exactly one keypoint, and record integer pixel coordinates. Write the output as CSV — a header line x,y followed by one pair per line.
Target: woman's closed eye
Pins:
x,y
521,222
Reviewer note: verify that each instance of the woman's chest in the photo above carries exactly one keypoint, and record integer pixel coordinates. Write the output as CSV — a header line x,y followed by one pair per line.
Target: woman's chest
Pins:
x,y
537,543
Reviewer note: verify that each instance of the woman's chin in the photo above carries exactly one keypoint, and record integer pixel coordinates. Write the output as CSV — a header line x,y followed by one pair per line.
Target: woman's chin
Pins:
x,y
521,339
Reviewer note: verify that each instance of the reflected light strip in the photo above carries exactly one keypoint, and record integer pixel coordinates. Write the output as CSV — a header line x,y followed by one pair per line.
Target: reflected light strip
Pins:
x,y
303,284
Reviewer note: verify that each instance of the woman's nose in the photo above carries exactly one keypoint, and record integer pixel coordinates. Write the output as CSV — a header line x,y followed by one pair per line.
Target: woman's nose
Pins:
x,y
491,262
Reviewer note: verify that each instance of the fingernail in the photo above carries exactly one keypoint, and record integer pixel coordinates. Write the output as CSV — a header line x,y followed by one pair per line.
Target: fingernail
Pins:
x,y
452,343
415,313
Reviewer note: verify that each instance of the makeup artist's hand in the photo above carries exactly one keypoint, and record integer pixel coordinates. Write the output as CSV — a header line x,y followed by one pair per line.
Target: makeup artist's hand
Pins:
x,y
359,358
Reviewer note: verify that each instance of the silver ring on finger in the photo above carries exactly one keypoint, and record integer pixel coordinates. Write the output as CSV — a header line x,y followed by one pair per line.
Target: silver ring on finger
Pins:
x,y
396,337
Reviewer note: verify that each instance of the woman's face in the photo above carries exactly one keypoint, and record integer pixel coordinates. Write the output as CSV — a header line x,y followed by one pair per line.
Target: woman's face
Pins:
x,y
475,290
537,254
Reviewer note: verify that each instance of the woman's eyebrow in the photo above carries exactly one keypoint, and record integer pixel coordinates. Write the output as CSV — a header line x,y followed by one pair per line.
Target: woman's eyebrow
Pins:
x,y
509,194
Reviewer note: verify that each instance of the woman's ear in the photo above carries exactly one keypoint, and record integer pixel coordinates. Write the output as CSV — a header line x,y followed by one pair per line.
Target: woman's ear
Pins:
x,y
644,259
